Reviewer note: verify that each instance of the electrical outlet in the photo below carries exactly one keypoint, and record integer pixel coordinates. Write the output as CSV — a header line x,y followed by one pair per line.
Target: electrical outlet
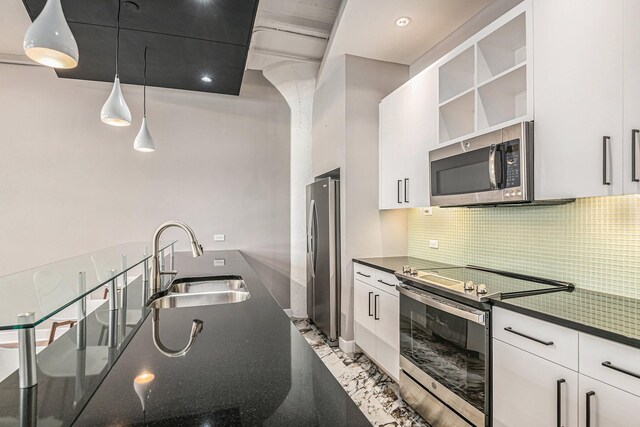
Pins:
x,y
218,237
428,211
218,262
433,244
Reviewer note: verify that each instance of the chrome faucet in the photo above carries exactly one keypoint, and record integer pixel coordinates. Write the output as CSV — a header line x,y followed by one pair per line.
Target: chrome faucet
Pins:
x,y
155,285
156,273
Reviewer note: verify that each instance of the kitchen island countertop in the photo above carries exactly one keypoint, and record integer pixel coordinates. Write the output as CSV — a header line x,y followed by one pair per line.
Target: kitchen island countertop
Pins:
x,y
249,366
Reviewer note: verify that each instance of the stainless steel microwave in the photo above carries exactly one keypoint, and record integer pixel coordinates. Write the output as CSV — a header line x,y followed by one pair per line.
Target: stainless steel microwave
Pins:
x,y
491,169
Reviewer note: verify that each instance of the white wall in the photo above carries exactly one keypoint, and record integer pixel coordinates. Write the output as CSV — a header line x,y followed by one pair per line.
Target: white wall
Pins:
x,y
345,135
70,184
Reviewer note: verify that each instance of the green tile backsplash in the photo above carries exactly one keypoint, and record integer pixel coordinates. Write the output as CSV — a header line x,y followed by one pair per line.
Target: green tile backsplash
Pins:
x,y
594,242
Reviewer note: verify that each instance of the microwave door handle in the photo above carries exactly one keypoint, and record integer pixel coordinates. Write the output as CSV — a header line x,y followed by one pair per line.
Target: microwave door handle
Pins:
x,y
493,182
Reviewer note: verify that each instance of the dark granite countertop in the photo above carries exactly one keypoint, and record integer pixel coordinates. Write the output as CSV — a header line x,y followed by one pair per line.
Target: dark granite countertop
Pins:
x,y
605,315
395,263
250,366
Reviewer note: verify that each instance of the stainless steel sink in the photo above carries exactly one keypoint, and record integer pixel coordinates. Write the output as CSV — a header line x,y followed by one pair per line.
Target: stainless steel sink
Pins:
x,y
199,291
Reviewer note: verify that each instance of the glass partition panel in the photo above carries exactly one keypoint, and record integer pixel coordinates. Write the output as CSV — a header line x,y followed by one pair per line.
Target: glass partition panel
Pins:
x,y
49,289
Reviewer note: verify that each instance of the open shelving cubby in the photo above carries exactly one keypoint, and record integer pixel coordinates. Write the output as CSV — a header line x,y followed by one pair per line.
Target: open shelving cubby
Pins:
x,y
503,49
503,98
457,75
485,86
457,117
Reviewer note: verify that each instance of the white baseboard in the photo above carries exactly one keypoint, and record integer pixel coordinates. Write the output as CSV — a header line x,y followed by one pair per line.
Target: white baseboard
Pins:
x,y
289,312
348,347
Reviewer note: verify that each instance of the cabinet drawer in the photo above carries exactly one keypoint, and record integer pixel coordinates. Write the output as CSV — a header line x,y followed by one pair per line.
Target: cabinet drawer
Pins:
x,y
386,282
364,273
606,360
544,339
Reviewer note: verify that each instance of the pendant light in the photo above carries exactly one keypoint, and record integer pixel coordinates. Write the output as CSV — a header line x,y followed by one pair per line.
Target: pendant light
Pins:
x,y
115,111
49,40
144,141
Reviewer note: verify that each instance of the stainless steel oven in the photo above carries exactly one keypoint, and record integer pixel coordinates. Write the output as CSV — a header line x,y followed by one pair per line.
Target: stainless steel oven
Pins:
x,y
444,348
495,168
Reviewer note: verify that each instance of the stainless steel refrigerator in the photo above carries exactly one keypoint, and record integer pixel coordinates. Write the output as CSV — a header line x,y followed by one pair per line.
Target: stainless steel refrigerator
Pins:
x,y
323,256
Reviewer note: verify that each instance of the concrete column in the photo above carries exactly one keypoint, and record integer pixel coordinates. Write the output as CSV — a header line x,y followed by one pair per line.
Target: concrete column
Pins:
x,y
296,81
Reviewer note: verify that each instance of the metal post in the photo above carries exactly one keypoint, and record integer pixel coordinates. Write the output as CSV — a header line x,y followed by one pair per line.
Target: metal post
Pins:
x,y
27,351
124,270
29,407
123,300
145,277
82,289
161,260
171,258
113,292
113,332
81,330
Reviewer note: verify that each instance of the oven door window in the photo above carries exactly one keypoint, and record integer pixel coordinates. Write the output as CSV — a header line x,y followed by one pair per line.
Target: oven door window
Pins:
x,y
450,349
461,174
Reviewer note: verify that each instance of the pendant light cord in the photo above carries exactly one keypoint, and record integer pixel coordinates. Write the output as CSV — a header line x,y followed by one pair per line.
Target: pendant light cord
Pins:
x,y
118,36
144,85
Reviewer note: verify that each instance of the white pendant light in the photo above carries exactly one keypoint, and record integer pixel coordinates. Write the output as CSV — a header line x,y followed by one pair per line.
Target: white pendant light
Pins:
x,y
115,111
144,141
49,40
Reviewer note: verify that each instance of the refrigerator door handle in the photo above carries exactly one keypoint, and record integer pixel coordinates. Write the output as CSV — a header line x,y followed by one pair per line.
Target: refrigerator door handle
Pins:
x,y
311,238
315,238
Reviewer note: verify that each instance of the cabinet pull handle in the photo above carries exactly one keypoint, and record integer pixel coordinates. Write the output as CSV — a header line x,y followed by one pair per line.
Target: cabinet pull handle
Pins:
x,y
370,293
547,343
609,365
589,395
362,274
385,283
399,190
406,190
375,306
635,156
559,401
606,173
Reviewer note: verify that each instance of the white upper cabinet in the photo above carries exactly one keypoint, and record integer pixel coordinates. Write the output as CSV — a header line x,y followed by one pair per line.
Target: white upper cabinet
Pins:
x,y
631,87
578,98
391,159
407,133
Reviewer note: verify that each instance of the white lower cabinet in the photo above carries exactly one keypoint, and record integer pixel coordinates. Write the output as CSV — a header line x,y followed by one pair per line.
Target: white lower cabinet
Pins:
x,y
602,405
377,325
531,390
528,391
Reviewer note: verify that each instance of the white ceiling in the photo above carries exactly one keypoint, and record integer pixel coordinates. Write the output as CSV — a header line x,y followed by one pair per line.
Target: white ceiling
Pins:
x,y
291,29
367,27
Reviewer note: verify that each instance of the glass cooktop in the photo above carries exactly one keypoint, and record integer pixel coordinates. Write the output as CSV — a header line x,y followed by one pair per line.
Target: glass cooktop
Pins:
x,y
481,284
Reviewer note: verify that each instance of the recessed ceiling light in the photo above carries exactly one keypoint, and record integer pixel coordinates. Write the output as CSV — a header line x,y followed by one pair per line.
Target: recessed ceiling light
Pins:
x,y
206,79
403,21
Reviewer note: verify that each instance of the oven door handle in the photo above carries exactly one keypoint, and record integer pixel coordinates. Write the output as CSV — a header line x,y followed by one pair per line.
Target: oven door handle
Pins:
x,y
475,316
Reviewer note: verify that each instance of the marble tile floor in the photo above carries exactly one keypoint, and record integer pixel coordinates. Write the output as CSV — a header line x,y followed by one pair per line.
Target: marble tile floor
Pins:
x,y
377,395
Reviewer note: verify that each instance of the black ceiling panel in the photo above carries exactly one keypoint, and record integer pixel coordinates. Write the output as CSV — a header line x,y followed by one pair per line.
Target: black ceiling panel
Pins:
x,y
186,39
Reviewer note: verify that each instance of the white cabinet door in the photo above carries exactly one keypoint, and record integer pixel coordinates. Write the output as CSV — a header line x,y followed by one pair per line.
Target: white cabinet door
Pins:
x,y
526,391
606,406
365,325
578,97
388,333
631,88
421,134
391,160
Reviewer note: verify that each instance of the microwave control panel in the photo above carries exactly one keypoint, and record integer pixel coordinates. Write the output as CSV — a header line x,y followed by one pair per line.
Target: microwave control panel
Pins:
x,y
511,156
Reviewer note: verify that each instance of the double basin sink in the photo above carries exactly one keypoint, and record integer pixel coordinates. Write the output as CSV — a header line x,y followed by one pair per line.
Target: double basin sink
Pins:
x,y
201,291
